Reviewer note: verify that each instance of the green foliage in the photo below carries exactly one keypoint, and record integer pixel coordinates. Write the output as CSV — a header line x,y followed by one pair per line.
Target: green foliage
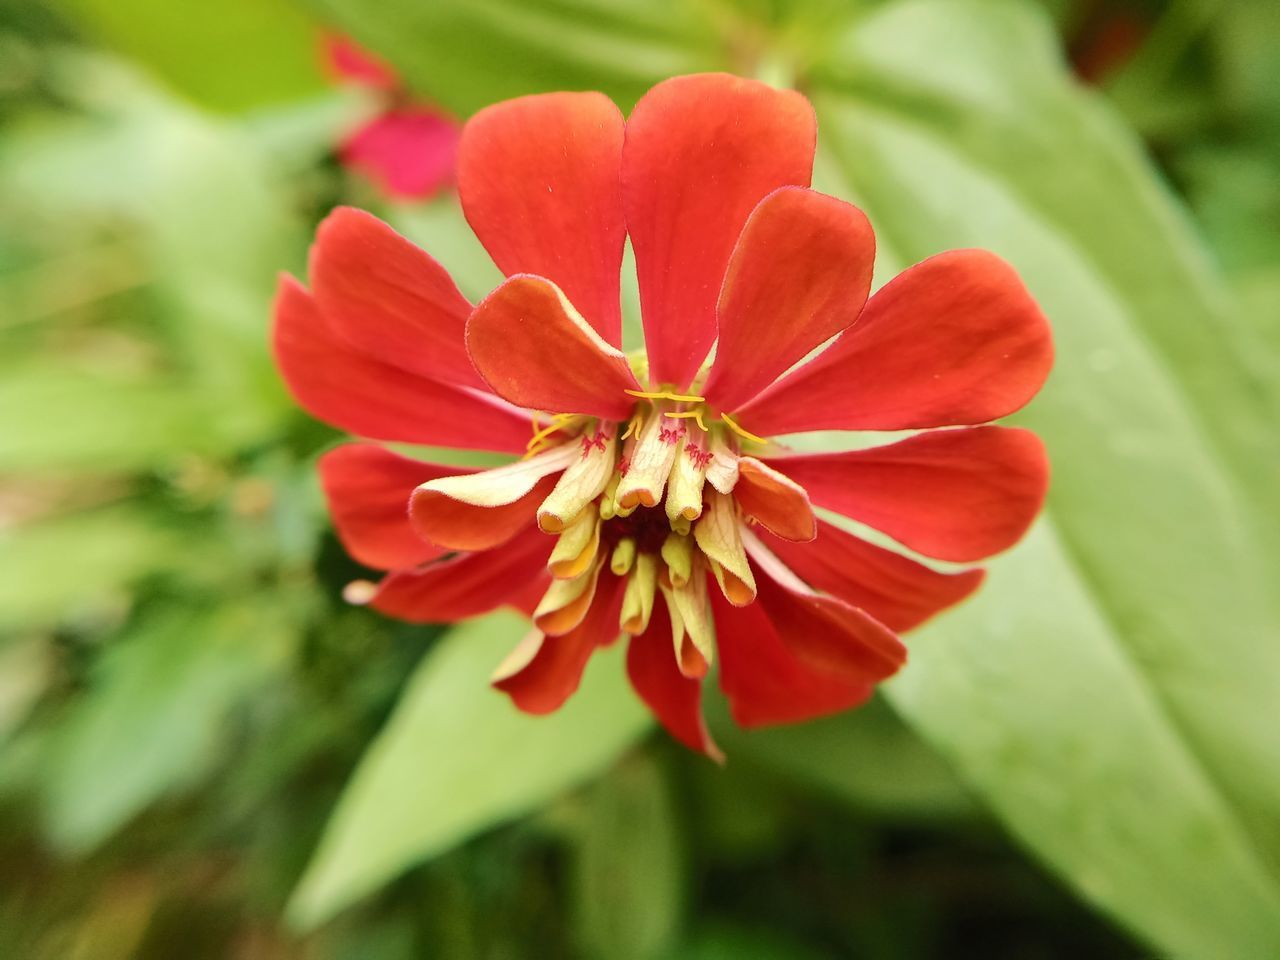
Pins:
x,y
151,721
630,869
231,55
469,54
456,759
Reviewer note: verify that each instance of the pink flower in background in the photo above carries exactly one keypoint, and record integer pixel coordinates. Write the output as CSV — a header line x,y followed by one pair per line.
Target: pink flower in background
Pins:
x,y
409,148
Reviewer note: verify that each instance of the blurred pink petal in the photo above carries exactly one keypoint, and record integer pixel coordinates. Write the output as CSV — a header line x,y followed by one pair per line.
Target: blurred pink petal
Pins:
x,y
408,151
348,61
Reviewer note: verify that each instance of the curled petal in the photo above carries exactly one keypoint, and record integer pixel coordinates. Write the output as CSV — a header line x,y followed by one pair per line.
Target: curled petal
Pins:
x,y
367,488
896,590
390,299
476,511
958,495
534,349
676,700
800,274
775,500
719,536
356,392
765,682
700,152
828,634
467,584
540,677
567,602
954,340
539,181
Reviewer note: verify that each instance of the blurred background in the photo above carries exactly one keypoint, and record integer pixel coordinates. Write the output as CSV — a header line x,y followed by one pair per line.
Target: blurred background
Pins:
x,y
204,753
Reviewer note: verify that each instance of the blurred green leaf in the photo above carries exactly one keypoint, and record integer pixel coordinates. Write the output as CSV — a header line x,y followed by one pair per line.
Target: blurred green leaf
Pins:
x,y
229,55
457,758
865,757
1145,625
466,54
104,422
440,228
151,721
629,877
56,569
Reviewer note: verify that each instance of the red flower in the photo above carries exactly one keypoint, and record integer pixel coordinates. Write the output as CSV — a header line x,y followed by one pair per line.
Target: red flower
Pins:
x,y
410,147
647,501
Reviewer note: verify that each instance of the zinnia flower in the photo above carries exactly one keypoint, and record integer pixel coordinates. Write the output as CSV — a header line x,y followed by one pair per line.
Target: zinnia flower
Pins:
x,y
647,500
408,149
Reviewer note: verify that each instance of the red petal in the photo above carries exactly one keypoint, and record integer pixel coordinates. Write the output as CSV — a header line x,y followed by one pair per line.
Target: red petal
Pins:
x,y
463,526
799,275
779,503
368,488
534,349
467,584
390,298
956,339
765,682
957,495
538,178
700,153
342,386
896,590
549,677
675,699
408,152
824,631
347,60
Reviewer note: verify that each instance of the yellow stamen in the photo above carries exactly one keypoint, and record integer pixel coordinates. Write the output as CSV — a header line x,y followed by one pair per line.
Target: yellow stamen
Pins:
x,y
558,422
634,427
745,434
685,414
665,395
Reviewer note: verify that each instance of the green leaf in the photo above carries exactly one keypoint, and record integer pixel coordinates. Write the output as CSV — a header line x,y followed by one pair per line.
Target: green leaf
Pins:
x,y
102,422
1125,659
457,758
231,55
884,767
629,876
466,54
1030,690
153,716
58,569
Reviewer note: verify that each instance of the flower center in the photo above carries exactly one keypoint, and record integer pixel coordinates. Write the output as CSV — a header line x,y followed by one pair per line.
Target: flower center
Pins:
x,y
649,500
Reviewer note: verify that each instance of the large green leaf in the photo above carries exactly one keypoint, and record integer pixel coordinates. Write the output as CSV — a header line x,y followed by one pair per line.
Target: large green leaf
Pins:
x,y
1126,659
468,53
1031,691
456,758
